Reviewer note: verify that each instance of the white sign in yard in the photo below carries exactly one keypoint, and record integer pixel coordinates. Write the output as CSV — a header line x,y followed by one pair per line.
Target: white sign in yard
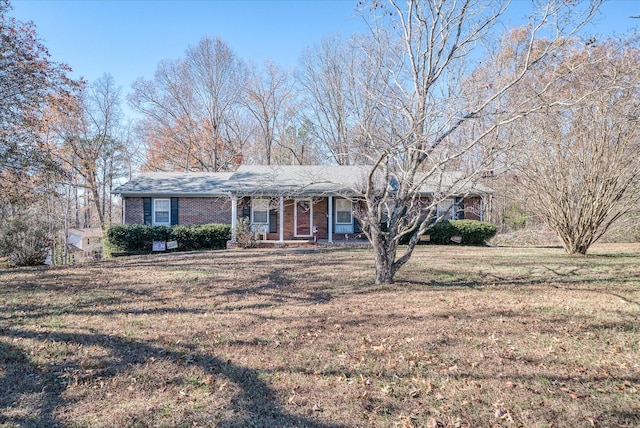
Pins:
x,y
159,245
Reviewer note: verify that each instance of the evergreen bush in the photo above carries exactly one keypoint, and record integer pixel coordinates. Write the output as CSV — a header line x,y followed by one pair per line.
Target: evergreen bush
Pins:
x,y
132,238
470,232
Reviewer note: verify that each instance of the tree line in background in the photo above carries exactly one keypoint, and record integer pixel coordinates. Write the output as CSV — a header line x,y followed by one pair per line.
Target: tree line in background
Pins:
x,y
63,145
549,118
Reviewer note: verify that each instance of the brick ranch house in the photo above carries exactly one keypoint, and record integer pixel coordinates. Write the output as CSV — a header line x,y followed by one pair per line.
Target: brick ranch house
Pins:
x,y
283,203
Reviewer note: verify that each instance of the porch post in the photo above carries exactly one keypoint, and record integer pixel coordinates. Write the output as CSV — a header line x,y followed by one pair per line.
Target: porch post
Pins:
x,y
330,229
281,216
234,216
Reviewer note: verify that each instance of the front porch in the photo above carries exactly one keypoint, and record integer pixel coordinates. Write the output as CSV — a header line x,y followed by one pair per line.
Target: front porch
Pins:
x,y
303,220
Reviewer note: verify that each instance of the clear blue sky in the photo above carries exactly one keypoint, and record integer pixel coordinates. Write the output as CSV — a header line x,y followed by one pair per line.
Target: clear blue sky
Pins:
x,y
128,38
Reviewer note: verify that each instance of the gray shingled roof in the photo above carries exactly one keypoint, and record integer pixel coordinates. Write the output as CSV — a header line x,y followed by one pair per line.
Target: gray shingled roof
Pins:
x,y
257,180
177,184
454,183
298,180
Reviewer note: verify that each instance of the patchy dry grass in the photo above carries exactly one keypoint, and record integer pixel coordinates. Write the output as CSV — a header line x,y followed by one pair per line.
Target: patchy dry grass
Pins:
x,y
468,337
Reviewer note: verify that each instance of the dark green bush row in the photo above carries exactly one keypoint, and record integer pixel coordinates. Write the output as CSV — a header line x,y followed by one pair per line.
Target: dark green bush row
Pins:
x,y
471,232
135,237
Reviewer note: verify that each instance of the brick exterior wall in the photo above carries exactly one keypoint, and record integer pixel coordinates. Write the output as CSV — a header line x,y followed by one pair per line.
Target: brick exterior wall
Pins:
x,y
218,210
190,210
472,208
204,210
133,211
321,217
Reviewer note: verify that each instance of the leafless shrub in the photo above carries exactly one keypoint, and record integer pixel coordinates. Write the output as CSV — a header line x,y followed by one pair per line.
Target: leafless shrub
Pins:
x,y
24,241
244,235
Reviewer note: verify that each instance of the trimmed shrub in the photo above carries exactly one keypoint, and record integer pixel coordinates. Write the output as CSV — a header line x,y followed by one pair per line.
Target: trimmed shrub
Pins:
x,y
139,238
184,234
470,232
211,235
128,237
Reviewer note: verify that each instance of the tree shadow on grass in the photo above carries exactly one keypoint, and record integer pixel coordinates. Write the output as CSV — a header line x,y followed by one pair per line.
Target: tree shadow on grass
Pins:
x,y
439,285
255,405
570,280
23,383
279,285
604,291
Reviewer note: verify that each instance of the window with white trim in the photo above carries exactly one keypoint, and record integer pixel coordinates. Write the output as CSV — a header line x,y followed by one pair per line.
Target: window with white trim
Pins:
x,y
260,208
344,211
162,212
445,209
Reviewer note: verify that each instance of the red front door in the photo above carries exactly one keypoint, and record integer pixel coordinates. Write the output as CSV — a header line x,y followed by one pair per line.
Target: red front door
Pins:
x,y
303,217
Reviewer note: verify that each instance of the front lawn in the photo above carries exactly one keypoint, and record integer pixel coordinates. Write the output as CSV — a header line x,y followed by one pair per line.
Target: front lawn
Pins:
x,y
467,337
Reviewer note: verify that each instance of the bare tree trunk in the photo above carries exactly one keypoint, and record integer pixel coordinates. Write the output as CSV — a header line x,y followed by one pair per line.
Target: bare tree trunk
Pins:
x,y
76,198
87,204
95,192
52,229
384,263
103,196
109,195
67,213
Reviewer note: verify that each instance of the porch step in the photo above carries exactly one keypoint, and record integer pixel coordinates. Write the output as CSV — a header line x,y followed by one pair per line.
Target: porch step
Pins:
x,y
303,244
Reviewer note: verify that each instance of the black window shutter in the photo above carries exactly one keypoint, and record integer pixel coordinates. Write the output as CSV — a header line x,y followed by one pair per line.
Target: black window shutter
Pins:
x,y
246,208
146,203
273,221
174,211
357,226
459,208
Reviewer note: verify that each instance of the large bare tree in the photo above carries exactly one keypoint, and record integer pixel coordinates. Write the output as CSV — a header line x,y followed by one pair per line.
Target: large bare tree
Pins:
x,y
425,52
270,98
581,165
86,137
343,82
324,76
191,115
